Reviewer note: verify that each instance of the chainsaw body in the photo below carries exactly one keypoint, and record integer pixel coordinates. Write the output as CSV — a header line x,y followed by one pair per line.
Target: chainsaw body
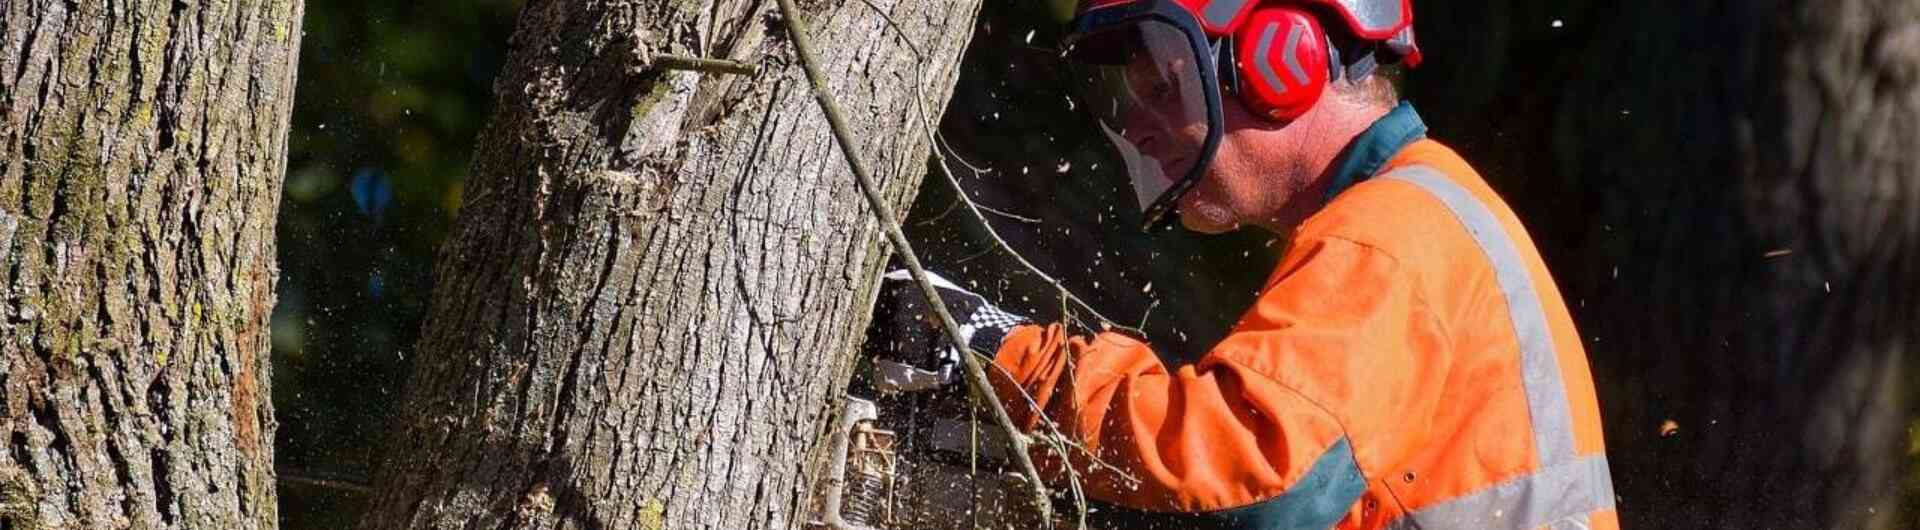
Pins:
x,y
921,460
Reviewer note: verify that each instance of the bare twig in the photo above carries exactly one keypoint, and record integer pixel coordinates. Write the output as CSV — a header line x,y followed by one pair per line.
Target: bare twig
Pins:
x,y
943,213
1053,429
970,257
325,480
904,39
976,375
940,162
961,159
1056,440
698,64
1148,313
1016,217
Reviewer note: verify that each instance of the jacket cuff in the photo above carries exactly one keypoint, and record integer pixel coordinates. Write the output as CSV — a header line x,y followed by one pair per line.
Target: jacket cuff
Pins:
x,y
1027,366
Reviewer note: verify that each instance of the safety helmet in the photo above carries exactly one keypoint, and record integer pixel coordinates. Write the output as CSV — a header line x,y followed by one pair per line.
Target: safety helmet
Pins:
x,y
1151,72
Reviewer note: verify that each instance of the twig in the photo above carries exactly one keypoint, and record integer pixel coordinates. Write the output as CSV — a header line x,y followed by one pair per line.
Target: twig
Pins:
x,y
943,213
970,257
940,161
1053,437
1021,218
976,375
1056,440
961,159
903,36
1148,313
698,64
325,480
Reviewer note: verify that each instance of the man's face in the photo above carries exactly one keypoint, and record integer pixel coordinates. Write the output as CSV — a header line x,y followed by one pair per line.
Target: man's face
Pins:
x,y
1259,175
1168,128
1145,85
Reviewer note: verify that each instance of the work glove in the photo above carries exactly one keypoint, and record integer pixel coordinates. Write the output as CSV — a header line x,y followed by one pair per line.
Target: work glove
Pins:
x,y
911,352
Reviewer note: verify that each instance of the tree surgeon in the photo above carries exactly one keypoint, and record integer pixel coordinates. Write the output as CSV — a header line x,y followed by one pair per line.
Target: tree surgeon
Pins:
x,y
1409,364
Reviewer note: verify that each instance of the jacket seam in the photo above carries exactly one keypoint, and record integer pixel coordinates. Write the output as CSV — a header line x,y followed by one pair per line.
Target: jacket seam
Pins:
x,y
1419,290
1419,294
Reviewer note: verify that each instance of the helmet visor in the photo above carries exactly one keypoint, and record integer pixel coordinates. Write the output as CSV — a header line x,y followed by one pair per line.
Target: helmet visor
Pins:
x,y
1148,88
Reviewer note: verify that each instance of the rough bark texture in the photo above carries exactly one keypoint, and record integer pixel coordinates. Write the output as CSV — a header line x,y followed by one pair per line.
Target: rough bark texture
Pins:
x,y
142,145
651,301
1731,196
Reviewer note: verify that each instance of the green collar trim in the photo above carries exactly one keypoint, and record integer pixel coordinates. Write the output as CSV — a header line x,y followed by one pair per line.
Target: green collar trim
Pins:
x,y
1371,149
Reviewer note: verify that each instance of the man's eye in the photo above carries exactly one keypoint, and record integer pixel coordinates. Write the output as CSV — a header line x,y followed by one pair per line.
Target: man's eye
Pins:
x,y
1162,90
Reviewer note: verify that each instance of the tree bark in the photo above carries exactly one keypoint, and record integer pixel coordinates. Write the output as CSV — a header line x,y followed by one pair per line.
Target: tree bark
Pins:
x,y
1731,193
142,146
650,304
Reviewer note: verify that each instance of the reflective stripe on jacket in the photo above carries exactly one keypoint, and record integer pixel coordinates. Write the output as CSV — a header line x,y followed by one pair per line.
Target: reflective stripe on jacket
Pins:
x,y
1409,364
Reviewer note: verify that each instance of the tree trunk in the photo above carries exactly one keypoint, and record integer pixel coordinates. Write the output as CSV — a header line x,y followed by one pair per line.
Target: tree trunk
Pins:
x,y
1731,190
651,301
142,146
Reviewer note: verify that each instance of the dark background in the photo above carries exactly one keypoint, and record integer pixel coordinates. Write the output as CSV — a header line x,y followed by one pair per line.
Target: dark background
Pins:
x,y
390,97
1587,117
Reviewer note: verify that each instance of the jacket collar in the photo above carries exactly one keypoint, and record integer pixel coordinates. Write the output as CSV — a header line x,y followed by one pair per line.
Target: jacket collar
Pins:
x,y
1372,148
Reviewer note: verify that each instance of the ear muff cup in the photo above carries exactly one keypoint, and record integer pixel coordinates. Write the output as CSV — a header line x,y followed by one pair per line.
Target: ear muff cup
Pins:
x,y
1282,56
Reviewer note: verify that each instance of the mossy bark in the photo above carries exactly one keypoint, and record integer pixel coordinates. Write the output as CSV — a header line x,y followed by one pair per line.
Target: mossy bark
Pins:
x,y
653,295
142,146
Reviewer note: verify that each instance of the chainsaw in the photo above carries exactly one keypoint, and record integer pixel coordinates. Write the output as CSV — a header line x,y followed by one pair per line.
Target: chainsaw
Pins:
x,y
918,460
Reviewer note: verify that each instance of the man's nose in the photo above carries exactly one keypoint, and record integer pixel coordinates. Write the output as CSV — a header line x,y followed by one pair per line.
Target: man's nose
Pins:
x,y
1144,130
1143,140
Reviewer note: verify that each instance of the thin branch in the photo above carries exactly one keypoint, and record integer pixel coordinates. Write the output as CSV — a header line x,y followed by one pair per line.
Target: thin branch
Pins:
x,y
970,257
976,375
1054,434
943,213
1058,441
961,159
325,480
1021,218
699,64
917,54
1148,313
940,161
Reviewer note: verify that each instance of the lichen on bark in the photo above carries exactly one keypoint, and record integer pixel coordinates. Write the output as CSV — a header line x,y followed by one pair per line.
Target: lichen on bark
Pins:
x,y
142,146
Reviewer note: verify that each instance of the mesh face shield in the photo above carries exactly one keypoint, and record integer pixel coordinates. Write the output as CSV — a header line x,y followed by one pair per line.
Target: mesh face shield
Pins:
x,y
1145,72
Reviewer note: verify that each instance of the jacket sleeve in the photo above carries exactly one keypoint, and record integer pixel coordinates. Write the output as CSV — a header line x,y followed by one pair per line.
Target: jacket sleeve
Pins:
x,y
1331,369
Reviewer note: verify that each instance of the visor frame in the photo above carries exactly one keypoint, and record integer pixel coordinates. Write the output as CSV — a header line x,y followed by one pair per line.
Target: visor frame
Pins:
x,y
1168,12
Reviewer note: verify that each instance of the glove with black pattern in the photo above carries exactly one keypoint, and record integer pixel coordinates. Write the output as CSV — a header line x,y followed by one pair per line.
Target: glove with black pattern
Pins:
x,y
911,353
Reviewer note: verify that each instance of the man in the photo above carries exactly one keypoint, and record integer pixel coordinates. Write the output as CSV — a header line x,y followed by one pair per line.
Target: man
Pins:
x,y
1410,363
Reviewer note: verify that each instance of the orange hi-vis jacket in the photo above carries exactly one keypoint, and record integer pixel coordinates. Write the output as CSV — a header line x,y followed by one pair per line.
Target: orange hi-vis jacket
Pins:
x,y
1410,364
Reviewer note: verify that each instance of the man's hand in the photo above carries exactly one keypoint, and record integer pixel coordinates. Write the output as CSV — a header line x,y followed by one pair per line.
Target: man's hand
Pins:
x,y
911,352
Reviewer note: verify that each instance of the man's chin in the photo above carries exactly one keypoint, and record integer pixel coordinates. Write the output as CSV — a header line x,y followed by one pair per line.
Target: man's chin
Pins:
x,y
1207,219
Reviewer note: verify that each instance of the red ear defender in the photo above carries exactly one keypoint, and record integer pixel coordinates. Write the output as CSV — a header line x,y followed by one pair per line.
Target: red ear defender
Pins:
x,y
1282,55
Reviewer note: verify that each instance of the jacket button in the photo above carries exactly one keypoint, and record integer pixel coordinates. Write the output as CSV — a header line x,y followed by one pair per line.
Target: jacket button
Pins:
x,y
1407,477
